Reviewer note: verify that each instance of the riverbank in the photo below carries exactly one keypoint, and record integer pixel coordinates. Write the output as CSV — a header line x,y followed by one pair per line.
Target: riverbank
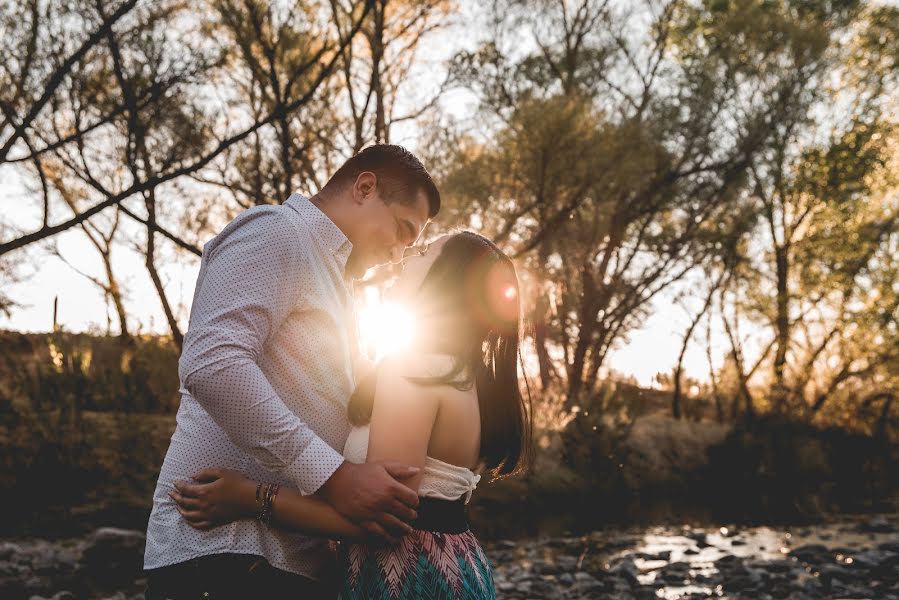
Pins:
x,y
849,557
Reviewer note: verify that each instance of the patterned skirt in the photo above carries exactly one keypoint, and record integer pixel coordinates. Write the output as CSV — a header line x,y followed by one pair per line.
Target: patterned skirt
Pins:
x,y
423,565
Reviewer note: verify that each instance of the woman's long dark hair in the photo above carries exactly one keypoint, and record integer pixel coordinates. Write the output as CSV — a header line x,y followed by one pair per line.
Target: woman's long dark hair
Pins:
x,y
468,307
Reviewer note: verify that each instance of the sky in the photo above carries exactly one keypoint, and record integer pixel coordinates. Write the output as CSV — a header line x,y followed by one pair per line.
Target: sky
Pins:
x,y
81,306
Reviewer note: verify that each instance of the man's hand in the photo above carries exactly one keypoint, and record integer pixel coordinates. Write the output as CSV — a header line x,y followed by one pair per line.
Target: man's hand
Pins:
x,y
371,495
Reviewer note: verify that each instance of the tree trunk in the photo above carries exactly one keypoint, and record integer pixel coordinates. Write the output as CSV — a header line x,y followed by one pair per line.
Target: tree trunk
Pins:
x,y
778,388
745,394
585,332
377,56
539,319
540,315
150,202
679,369
115,293
716,394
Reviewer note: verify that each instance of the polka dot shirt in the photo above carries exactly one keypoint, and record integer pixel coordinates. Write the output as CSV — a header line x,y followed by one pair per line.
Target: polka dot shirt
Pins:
x,y
266,372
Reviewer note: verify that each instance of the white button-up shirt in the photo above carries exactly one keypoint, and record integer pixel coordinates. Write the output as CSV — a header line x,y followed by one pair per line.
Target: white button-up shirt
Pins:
x,y
266,372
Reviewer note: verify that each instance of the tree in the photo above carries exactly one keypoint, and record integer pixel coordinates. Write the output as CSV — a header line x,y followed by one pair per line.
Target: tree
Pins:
x,y
193,147
663,124
825,204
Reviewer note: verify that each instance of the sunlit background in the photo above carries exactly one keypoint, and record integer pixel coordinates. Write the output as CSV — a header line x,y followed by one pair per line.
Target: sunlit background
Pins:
x,y
384,327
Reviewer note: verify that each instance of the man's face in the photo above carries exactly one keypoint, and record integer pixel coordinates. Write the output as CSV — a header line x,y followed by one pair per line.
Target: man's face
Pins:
x,y
385,230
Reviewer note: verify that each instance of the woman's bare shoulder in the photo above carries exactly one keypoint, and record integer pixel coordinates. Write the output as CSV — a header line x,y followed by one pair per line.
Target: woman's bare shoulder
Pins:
x,y
417,366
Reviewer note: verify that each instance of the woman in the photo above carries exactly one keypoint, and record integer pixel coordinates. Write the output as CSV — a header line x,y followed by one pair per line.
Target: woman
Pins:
x,y
450,405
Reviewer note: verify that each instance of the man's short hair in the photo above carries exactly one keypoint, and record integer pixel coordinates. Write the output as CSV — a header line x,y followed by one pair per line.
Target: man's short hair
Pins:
x,y
400,174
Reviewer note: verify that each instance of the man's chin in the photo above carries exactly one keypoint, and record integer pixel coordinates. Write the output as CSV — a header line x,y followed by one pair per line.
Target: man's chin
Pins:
x,y
358,270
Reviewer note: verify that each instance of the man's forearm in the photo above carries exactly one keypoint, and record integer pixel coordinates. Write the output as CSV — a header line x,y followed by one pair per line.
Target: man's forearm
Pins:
x,y
241,401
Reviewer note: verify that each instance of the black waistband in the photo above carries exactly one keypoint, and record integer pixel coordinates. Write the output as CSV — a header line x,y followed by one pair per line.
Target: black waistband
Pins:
x,y
444,516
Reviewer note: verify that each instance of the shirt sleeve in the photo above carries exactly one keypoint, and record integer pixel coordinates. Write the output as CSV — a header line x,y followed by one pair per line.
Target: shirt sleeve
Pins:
x,y
250,283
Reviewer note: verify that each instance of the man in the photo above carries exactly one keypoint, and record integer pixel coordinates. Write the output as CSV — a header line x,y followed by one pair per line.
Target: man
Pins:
x,y
266,371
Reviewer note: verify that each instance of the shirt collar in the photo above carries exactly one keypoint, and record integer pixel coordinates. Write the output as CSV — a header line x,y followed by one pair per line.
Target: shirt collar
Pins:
x,y
323,228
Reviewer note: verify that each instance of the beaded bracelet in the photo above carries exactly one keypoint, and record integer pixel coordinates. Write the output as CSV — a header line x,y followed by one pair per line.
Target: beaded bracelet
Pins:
x,y
266,506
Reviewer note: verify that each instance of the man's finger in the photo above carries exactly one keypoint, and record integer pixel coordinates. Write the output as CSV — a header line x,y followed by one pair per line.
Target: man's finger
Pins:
x,y
184,502
207,475
400,470
401,511
189,490
191,516
378,531
405,495
393,525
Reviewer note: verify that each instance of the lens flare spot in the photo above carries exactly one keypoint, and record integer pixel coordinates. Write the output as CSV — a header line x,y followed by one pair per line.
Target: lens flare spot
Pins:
x,y
385,328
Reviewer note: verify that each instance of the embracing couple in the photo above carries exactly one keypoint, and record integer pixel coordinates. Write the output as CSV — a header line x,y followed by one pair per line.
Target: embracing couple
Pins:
x,y
299,469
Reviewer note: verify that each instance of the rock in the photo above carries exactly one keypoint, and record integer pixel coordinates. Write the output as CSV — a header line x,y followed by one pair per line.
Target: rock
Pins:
x,y
889,547
567,564
728,561
666,556
645,593
566,579
887,568
867,560
742,583
114,557
584,578
777,566
38,585
812,553
63,595
544,589
699,537
9,551
878,525
545,568
626,570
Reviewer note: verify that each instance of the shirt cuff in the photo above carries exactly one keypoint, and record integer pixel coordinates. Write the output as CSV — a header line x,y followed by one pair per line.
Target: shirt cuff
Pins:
x,y
314,466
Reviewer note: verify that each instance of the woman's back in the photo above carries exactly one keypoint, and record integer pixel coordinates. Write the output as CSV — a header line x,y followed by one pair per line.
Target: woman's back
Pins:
x,y
441,554
456,436
452,457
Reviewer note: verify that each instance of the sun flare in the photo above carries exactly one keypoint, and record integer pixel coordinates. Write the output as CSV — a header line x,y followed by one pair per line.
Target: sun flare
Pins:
x,y
385,328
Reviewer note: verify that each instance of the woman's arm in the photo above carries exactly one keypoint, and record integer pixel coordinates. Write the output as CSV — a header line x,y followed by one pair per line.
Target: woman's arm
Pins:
x,y
402,419
313,516
222,496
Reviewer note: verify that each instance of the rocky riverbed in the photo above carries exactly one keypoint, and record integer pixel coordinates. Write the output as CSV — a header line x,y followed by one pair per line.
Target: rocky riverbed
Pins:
x,y
847,559
851,558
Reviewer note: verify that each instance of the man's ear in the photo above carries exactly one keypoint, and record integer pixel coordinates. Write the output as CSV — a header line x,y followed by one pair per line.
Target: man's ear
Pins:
x,y
365,186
